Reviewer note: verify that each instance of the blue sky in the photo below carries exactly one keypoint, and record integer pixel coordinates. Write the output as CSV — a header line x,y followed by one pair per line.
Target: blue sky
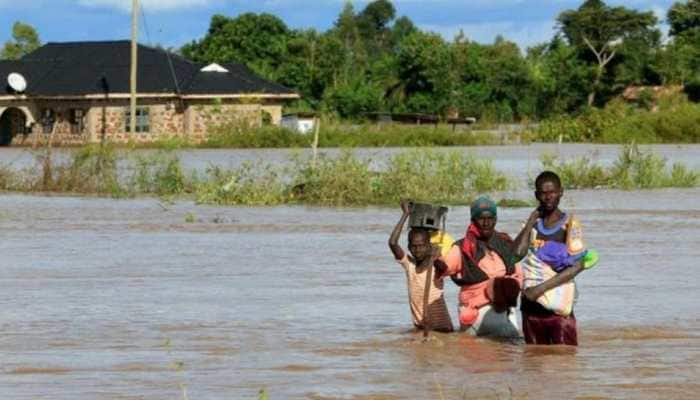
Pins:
x,y
175,22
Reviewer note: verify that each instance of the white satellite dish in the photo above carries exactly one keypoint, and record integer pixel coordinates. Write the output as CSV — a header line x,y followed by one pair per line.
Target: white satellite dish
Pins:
x,y
16,82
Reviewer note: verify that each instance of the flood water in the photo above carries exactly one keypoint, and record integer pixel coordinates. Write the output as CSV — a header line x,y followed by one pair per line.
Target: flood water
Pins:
x,y
125,299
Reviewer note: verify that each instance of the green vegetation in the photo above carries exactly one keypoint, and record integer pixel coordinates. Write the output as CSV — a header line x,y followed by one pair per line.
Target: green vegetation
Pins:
x,y
676,121
425,174
24,40
449,177
634,169
373,59
516,203
344,135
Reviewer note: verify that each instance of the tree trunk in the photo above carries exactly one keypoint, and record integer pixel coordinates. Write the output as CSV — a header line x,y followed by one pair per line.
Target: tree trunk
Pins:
x,y
596,83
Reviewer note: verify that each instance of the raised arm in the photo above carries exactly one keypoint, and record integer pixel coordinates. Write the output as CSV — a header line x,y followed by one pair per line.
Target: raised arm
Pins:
x,y
396,233
522,241
559,279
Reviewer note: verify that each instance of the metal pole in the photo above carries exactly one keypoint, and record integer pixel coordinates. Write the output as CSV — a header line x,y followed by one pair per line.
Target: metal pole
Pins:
x,y
134,62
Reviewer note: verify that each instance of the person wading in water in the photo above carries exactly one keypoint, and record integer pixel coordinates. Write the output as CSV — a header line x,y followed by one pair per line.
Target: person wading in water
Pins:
x,y
418,268
551,241
483,264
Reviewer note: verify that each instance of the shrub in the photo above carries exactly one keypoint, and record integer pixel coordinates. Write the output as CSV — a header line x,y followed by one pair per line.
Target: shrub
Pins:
x,y
634,169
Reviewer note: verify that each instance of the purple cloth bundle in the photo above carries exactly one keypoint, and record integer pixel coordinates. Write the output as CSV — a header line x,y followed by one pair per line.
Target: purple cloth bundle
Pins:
x,y
556,255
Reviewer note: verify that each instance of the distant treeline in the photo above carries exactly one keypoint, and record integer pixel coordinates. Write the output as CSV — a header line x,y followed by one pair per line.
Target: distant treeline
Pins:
x,y
371,60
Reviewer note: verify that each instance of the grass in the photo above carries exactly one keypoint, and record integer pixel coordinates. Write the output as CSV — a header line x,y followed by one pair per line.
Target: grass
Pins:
x,y
633,169
675,121
426,175
346,180
333,134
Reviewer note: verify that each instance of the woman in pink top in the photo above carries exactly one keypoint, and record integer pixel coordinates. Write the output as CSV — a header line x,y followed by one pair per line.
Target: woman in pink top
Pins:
x,y
483,264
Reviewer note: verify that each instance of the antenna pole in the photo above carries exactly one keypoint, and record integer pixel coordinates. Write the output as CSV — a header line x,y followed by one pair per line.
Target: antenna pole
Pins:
x,y
134,62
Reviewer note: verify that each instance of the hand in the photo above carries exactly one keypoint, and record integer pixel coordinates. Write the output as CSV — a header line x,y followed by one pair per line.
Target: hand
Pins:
x,y
406,206
532,293
534,216
435,252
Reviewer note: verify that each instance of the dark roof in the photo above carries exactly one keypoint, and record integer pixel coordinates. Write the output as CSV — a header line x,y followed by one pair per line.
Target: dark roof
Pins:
x,y
82,68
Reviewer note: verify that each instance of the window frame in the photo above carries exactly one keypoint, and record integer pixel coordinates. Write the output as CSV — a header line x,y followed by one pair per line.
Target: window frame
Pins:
x,y
143,120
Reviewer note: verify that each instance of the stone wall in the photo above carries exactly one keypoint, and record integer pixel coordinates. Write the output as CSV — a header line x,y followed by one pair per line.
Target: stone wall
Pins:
x,y
204,117
106,119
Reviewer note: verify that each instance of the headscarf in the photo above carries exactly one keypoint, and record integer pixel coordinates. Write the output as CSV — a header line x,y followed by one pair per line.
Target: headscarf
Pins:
x,y
482,204
479,206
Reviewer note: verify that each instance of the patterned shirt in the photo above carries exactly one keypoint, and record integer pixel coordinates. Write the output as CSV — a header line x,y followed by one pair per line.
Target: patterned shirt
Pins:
x,y
438,315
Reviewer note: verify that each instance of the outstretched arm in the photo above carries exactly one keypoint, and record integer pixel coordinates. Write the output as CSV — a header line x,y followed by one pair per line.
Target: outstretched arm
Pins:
x,y
396,233
521,242
559,279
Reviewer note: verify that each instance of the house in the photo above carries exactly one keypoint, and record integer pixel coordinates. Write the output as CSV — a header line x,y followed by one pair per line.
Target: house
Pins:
x,y
79,92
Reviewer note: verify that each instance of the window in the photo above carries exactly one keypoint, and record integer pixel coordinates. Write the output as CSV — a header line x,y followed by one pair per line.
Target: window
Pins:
x,y
143,123
48,117
77,124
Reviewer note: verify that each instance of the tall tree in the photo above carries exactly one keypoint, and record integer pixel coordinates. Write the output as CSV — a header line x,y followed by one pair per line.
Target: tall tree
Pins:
x,y
681,63
423,63
25,39
257,40
684,17
560,78
600,30
373,23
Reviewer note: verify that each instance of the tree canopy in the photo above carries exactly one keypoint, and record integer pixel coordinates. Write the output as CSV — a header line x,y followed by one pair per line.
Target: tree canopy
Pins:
x,y
374,59
24,40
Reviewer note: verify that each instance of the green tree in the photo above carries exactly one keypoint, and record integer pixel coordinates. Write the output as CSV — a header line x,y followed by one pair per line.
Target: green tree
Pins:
x,y
493,82
355,54
24,40
354,98
424,68
684,17
599,30
402,27
373,24
559,78
681,58
256,40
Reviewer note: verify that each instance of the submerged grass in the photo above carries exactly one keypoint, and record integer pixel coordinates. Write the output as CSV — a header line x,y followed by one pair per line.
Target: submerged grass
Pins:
x,y
449,177
344,135
633,169
346,180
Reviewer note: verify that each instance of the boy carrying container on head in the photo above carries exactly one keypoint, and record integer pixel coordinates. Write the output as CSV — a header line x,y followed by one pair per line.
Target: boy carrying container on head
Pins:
x,y
418,266
552,243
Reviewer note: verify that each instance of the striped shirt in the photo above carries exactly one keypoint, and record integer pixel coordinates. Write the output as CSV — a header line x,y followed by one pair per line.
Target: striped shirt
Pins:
x,y
439,317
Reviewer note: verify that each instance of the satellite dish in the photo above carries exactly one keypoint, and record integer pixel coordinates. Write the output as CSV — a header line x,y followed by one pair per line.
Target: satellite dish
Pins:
x,y
16,82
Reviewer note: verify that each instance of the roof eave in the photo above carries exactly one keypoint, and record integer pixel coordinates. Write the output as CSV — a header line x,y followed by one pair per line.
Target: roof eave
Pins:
x,y
102,96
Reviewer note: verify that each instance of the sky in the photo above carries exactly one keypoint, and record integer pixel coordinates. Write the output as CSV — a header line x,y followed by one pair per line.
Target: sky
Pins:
x,y
172,23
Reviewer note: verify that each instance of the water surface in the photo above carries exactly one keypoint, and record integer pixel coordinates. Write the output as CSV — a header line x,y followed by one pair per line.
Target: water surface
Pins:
x,y
123,299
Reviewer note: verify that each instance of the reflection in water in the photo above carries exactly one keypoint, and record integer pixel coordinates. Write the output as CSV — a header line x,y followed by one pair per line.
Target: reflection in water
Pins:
x,y
106,299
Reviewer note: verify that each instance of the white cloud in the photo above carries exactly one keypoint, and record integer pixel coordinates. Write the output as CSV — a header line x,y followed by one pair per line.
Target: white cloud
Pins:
x,y
153,5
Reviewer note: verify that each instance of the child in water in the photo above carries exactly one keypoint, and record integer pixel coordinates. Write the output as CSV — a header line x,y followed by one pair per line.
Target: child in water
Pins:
x,y
416,266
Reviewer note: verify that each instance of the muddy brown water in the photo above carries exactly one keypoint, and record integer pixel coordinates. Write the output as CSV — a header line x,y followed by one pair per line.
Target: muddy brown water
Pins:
x,y
124,299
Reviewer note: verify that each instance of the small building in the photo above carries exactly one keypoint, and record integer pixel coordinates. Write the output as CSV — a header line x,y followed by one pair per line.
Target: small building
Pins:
x,y
302,122
79,92
649,96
